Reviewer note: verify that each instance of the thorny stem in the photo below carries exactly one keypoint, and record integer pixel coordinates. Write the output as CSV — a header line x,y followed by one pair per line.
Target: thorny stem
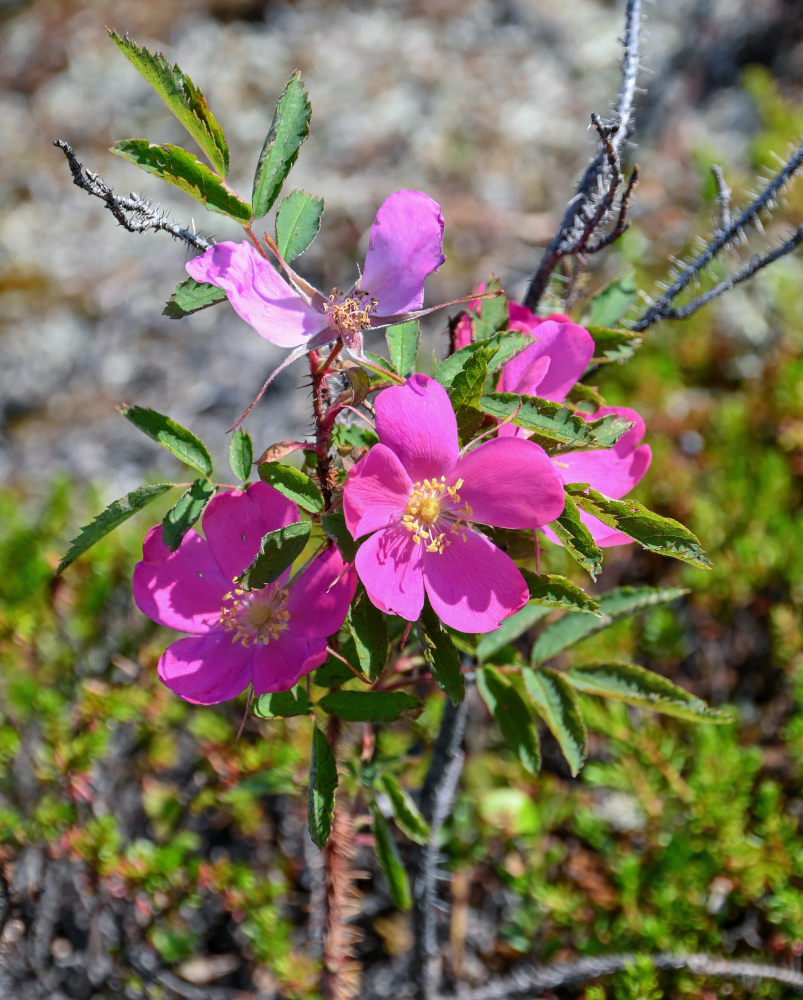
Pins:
x,y
591,205
663,308
133,213
323,428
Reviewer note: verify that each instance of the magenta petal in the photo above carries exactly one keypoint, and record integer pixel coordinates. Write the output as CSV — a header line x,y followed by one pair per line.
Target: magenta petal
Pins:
x,y
206,669
605,471
406,245
182,589
389,565
510,482
627,443
472,585
376,492
320,596
235,521
525,372
417,422
279,664
569,348
258,293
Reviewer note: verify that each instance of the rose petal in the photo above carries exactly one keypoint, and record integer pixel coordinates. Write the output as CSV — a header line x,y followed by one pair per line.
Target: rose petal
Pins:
x,y
182,589
235,521
569,348
627,443
206,669
376,492
406,245
417,422
472,585
258,293
509,482
320,596
389,565
605,471
280,663
525,372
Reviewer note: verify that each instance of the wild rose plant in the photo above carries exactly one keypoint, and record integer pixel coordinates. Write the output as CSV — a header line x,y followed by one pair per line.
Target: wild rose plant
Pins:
x,y
399,554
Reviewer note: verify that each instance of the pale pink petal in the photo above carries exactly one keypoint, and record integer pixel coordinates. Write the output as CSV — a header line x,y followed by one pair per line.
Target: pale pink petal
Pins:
x,y
258,293
376,492
509,482
320,596
280,663
569,349
472,585
182,589
405,246
207,669
236,520
417,422
389,565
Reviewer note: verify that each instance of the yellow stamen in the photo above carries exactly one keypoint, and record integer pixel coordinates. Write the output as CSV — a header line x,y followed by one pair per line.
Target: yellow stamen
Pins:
x,y
255,615
349,315
433,504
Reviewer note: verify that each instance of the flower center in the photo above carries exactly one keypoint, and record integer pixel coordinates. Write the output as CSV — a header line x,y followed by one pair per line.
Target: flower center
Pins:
x,y
433,512
350,315
255,615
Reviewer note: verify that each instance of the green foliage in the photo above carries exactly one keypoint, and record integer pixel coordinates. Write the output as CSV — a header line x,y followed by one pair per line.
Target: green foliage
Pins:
x,y
178,440
289,128
577,539
556,703
402,339
190,296
185,512
512,717
294,484
441,657
369,633
610,305
241,454
322,786
390,861
277,550
298,220
368,706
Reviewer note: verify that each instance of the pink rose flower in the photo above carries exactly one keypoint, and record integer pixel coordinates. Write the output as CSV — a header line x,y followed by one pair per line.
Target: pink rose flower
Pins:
x,y
419,497
405,245
269,637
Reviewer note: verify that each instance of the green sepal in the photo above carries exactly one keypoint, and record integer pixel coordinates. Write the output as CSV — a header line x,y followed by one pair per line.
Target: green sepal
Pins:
x,y
512,717
178,440
241,454
277,550
322,787
298,221
190,297
182,97
294,484
390,861
556,703
185,512
368,706
289,128
117,512
180,168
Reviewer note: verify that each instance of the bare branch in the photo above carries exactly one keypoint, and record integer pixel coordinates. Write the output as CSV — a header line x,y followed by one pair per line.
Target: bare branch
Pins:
x,y
133,213
723,198
664,307
527,981
590,208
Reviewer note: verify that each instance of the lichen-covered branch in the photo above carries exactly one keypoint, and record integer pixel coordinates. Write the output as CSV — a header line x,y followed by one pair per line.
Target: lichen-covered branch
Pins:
x,y
728,232
133,213
591,210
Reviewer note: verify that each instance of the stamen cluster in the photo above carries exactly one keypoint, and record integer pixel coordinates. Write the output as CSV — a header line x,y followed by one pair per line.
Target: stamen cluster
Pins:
x,y
349,315
432,501
256,615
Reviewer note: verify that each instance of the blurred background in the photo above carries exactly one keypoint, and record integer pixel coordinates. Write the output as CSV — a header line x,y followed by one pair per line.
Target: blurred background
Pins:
x,y
144,851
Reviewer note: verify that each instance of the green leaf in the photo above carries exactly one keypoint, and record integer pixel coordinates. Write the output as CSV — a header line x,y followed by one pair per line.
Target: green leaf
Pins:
x,y
333,672
298,220
278,550
185,512
241,454
577,539
322,786
512,717
609,305
553,591
510,630
180,168
108,520
613,345
293,484
191,296
405,812
390,861
492,315
636,686
441,656
403,341
367,706
553,421
289,128
467,385
557,705
368,629
615,605
282,704
334,524
658,534
182,97
499,349
179,441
